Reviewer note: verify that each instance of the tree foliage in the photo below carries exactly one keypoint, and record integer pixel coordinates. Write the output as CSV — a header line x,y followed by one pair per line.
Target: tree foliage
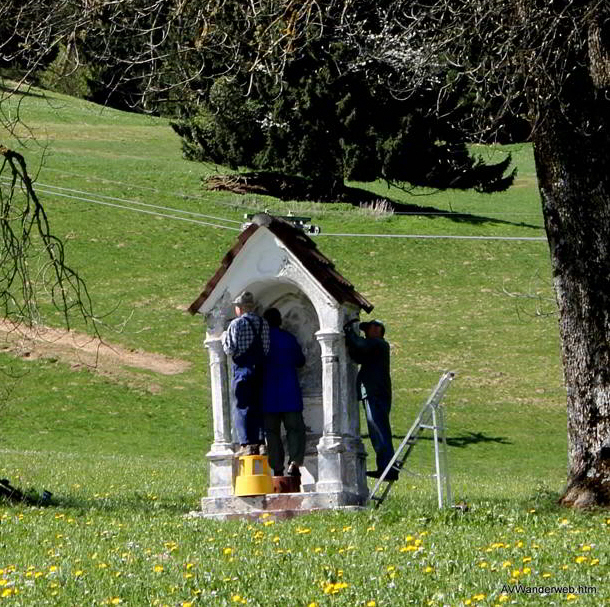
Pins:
x,y
305,87
295,88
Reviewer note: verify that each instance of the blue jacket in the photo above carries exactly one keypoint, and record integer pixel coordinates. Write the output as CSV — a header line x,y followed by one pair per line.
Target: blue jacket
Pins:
x,y
281,389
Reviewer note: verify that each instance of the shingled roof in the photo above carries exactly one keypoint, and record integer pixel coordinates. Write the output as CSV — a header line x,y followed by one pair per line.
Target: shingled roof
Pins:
x,y
303,248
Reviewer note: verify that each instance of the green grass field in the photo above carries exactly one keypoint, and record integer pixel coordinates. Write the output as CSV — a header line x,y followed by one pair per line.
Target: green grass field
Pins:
x,y
122,447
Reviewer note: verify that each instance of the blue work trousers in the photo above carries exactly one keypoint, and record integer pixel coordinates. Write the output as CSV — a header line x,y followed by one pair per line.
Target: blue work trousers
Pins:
x,y
246,387
378,422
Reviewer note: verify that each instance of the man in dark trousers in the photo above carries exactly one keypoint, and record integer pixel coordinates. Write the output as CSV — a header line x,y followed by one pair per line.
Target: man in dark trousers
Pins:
x,y
282,399
372,352
246,340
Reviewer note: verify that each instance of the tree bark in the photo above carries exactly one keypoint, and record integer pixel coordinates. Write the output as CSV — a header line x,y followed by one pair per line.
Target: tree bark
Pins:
x,y
571,151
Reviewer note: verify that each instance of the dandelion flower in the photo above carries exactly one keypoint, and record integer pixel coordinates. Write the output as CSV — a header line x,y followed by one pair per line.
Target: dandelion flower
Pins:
x,y
303,530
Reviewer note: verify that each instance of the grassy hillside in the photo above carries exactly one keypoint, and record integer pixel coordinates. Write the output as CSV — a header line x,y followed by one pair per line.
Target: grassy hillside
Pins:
x,y
467,305
123,447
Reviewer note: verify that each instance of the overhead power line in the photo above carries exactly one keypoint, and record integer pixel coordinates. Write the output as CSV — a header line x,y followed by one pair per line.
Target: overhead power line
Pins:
x,y
437,236
127,201
59,191
421,213
137,210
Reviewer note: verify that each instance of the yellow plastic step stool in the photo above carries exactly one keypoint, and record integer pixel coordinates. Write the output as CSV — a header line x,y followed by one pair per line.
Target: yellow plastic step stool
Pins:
x,y
253,477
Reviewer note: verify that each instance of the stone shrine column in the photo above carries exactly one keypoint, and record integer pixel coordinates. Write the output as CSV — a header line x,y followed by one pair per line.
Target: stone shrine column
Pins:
x,y
332,447
220,455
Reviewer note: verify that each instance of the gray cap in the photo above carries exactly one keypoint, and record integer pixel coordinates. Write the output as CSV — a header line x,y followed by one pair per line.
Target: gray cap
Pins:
x,y
245,299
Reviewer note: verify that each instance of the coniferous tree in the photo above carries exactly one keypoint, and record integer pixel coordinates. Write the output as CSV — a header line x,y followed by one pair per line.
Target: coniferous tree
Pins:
x,y
330,115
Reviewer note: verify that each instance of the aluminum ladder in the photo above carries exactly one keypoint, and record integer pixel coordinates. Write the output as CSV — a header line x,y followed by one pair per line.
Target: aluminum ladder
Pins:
x,y
431,417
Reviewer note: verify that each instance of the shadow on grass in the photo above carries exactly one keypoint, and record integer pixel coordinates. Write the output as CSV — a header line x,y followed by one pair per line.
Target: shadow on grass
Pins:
x,y
24,90
473,438
177,505
464,440
290,187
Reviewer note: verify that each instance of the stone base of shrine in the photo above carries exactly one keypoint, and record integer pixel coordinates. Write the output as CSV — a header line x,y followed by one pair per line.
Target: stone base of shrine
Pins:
x,y
277,505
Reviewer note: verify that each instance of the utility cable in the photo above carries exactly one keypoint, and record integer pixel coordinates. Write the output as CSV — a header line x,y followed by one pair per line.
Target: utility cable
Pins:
x,y
128,208
55,192
333,211
436,236
41,186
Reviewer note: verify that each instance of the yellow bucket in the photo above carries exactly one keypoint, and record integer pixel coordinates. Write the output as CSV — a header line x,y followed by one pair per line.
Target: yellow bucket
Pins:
x,y
253,477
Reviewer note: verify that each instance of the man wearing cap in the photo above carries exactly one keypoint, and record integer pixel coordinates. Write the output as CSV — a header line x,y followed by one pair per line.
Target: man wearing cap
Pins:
x,y
372,352
246,340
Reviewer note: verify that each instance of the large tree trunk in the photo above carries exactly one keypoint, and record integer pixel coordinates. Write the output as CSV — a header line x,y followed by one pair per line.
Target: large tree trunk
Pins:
x,y
571,147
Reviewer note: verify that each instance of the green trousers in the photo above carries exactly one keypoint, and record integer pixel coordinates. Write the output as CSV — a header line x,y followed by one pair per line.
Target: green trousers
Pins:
x,y
295,438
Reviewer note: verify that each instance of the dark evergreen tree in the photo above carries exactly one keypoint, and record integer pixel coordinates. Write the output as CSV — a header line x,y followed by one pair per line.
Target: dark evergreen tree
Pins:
x,y
331,114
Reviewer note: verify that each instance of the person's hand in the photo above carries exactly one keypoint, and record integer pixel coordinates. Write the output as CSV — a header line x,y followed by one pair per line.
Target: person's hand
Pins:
x,y
349,325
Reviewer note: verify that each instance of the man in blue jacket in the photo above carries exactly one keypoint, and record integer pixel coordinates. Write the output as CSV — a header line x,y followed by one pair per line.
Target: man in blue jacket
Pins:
x,y
372,352
282,399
